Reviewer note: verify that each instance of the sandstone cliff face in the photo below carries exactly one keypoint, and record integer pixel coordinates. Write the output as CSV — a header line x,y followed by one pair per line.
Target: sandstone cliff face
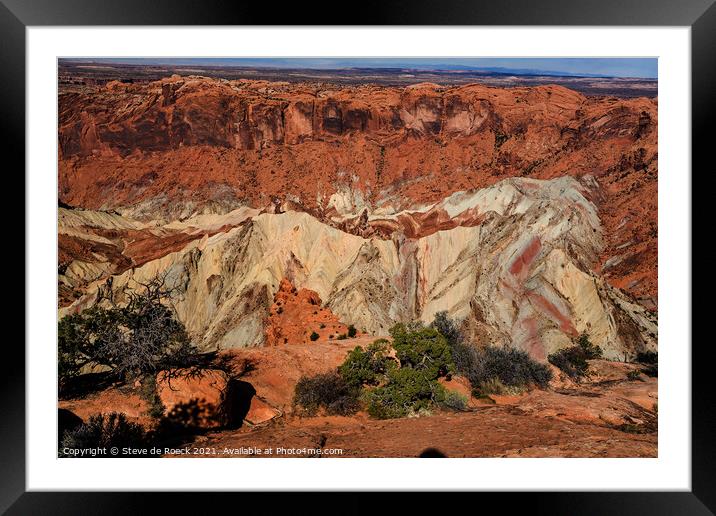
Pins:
x,y
183,146
514,261
93,245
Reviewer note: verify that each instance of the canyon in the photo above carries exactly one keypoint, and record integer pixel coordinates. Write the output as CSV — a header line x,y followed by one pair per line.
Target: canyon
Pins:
x,y
528,213
292,221
186,146
513,262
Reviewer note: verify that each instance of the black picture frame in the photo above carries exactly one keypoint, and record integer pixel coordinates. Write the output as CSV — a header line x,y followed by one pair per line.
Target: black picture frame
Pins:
x,y
16,15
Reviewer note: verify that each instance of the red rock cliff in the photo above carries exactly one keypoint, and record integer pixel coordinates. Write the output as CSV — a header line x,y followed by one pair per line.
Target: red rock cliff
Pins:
x,y
189,141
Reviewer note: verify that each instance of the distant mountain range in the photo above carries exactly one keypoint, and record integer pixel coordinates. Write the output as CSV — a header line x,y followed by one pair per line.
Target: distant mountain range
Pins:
x,y
338,64
495,70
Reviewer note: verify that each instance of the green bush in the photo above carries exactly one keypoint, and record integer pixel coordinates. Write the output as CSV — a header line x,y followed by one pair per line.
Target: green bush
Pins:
x,y
314,336
342,336
80,336
352,331
367,367
407,391
328,391
423,348
573,360
105,431
388,390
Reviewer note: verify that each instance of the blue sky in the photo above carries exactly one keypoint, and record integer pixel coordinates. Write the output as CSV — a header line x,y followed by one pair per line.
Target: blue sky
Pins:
x,y
609,67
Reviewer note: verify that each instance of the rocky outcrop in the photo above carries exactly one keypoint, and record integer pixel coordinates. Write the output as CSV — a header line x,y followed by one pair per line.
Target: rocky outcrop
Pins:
x,y
299,317
185,145
516,268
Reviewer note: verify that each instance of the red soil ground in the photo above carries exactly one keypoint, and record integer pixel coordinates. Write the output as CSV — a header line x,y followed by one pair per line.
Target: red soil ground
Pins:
x,y
606,416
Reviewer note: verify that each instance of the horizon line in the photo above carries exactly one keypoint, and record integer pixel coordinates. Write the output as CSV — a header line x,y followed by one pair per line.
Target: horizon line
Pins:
x,y
606,68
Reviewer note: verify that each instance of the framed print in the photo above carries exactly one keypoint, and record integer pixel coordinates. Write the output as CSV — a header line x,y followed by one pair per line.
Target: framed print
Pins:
x,y
368,244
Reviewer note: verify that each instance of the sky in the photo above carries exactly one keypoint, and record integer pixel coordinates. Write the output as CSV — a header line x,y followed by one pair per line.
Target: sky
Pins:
x,y
604,67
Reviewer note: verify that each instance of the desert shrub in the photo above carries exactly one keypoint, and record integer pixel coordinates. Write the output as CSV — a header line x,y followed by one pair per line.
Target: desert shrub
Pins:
x,y
447,328
352,331
140,338
314,336
423,348
105,431
508,366
406,392
633,375
412,388
454,400
591,351
573,360
328,391
342,336
490,370
491,386
647,357
651,370
367,367
66,421
77,336
463,356
387,389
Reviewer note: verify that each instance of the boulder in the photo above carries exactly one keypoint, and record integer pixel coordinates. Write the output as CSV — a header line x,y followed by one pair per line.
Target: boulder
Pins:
x,y
260,412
